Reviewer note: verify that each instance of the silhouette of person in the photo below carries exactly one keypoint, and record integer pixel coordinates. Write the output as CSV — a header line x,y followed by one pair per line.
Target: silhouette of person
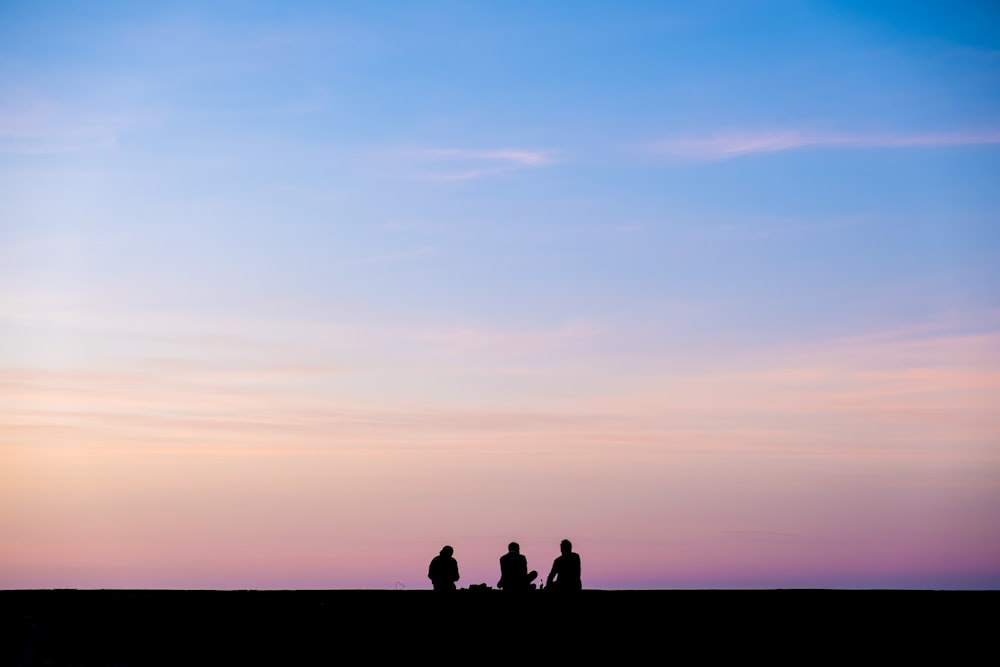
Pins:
x,y
514,575
565,573
443,571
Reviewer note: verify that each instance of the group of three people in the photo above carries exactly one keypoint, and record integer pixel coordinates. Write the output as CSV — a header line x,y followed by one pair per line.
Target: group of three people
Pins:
x,y
514,574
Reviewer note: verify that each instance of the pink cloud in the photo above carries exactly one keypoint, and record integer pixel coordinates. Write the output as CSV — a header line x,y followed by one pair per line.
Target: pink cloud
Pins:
x,y
461,164
519,157
735,144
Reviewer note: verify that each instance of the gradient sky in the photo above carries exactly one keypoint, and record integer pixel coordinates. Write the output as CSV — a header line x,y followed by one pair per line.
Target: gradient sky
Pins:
x,y
292,294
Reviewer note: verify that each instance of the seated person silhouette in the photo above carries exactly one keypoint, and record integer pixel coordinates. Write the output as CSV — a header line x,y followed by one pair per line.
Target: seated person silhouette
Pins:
x,y
514,575
443,571
565,574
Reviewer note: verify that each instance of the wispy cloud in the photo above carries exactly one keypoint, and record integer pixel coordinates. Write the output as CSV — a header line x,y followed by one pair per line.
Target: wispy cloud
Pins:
x,y
31,125
517,157
461,164
397,256
734,144
511,341
28,136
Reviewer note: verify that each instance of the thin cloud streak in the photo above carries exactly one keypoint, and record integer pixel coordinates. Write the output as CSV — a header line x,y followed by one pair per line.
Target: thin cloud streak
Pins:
x,y
34,125
27,137
461,164
519,157
736,144
508,341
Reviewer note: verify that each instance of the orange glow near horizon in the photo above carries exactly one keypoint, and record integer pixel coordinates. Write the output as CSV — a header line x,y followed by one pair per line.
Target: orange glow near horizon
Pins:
x,y
786,470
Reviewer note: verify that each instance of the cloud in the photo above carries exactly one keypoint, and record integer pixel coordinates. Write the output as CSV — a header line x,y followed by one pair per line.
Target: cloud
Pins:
x,y
26,137
32,125
460,164
518,157
394,257
734,144
511,341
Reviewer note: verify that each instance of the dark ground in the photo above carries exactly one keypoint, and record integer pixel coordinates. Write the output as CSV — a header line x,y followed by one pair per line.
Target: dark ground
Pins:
x,y
167,627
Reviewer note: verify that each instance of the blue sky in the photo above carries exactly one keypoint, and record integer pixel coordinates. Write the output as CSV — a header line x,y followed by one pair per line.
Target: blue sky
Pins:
x,y
530,227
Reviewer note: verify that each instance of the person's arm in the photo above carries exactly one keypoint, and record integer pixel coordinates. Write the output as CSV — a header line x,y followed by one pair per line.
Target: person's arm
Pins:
x,y
552,573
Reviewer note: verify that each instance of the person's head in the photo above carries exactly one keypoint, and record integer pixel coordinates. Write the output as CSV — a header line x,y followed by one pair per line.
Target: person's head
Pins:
x,y
447,551
565,546
514,547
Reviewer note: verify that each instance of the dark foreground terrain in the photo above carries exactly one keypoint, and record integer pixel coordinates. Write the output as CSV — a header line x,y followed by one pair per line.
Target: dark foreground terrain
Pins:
x,y
169,627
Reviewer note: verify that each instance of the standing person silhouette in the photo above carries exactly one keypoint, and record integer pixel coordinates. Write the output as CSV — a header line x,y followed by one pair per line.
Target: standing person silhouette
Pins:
x,y
514,575
443,571
565,573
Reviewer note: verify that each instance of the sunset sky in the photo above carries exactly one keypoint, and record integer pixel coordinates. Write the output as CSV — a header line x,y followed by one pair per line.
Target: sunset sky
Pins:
x,y
292,294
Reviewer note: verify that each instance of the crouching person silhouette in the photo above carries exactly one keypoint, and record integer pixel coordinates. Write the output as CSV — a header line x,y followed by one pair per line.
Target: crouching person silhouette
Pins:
x,y
514,575
443,571
565,573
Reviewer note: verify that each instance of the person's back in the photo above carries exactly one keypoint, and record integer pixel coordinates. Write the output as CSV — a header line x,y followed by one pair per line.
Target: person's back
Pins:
x,y
565,574
443,571
513,571
514,575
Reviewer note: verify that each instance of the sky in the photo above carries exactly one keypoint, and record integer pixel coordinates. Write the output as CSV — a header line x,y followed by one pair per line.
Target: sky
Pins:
x,y
293,294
